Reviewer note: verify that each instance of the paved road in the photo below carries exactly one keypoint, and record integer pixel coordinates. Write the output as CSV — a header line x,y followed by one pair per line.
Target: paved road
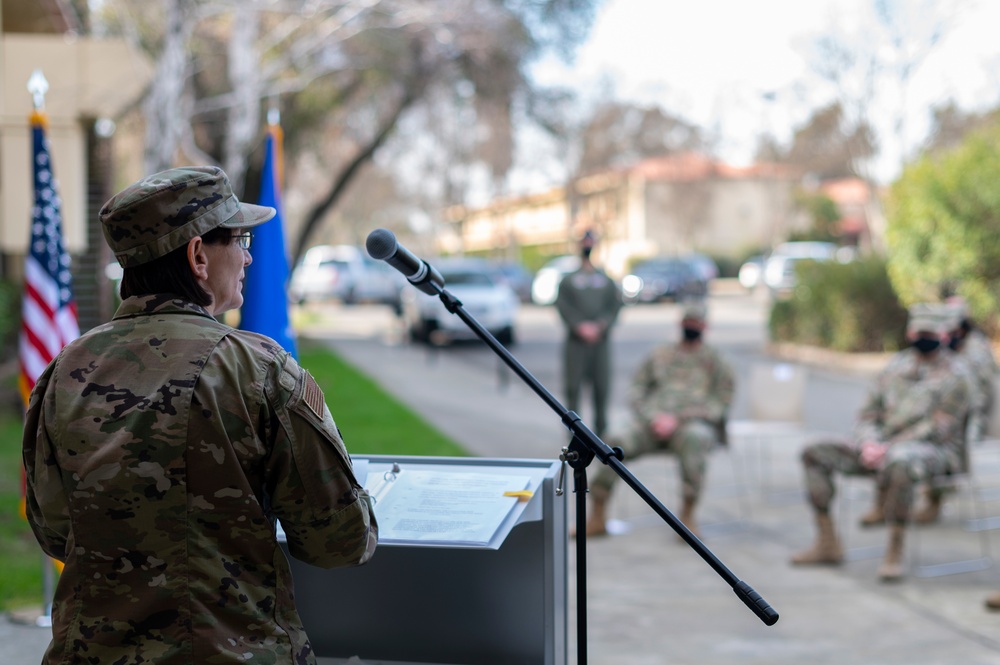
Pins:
x,y
651,600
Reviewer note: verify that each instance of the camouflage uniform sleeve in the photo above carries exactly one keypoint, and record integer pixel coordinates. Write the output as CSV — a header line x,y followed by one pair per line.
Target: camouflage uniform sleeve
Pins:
x,y
869,423
721,394
642,390
46,506
976,394
326,515
949,417
984,367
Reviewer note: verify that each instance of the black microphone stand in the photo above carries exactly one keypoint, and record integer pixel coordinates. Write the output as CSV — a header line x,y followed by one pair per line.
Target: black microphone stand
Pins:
x,y
582,449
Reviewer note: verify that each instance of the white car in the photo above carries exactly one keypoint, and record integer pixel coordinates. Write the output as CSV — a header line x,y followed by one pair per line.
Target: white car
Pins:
x,y
779,269
751,272
489,300
345,273
545,286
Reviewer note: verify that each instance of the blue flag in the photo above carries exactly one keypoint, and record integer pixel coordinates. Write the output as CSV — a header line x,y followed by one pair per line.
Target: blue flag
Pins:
x,y
265,300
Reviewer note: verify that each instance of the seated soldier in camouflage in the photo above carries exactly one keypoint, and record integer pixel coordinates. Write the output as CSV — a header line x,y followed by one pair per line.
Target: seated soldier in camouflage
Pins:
x,y
909,430
973,349
161,448
680,397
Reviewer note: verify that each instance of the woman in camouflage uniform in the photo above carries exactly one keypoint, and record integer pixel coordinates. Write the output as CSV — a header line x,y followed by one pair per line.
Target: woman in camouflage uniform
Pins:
x,y
161,448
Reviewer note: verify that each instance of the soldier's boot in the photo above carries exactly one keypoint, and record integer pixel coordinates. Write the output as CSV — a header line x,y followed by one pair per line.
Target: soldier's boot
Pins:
x,y
891,568
931,511
687,516
826,550
876,514
993,601
597,521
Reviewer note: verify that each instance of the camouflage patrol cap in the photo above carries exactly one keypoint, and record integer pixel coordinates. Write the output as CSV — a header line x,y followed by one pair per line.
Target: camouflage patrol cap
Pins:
x,y
161,212
929,317
694,310
959,310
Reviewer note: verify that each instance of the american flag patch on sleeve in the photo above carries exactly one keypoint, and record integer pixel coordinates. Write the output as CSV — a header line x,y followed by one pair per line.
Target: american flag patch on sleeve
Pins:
x,y
312,395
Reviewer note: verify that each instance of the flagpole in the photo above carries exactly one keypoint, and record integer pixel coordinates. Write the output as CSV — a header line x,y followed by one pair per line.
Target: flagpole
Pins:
x,y
265,298
37,87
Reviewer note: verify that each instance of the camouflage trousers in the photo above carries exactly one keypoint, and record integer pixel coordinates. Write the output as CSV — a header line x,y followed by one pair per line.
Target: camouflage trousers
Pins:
x,y
906,464
692,443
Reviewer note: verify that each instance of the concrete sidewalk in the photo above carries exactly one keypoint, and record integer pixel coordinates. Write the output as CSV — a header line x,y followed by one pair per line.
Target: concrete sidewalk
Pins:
x,y
651,599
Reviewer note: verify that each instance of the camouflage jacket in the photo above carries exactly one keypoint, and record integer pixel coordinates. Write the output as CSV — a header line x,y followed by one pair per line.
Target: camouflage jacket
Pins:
x,y
688,383
159,450
588,296
917,400
978,356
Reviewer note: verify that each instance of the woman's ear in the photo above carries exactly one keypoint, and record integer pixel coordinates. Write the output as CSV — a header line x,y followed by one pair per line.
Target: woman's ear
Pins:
x,y
197,258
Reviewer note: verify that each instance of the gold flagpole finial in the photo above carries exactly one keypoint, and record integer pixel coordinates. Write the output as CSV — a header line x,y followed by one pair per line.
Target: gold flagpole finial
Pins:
x,y
38,86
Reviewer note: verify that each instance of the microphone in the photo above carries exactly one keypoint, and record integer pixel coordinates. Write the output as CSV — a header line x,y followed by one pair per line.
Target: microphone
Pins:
x,y
382,245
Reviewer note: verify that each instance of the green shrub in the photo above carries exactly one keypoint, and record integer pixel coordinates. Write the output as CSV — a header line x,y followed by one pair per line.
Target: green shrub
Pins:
x,y
729,266
845,307
944,226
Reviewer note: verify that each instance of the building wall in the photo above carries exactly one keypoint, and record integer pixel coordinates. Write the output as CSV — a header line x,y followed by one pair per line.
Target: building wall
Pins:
x,y
87,79
638,217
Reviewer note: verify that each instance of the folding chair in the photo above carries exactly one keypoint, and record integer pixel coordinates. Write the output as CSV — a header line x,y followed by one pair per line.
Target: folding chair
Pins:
x,y
776,394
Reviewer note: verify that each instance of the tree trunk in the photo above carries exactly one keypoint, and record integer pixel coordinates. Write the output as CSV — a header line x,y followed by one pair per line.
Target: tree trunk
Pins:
x,y
166,118
411,94
243,124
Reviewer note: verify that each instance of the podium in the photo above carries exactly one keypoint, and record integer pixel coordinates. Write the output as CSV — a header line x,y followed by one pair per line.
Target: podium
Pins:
x,y
430,602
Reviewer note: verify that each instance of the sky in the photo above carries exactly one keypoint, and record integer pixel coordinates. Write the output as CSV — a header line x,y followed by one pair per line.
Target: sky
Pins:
x,y
742,68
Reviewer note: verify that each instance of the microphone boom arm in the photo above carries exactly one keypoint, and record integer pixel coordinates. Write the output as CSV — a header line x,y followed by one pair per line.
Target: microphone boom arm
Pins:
x,y
609,456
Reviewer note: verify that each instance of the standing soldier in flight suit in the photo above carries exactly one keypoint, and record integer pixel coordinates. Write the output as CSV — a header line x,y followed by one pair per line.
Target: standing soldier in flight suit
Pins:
x,y
588,302
161,449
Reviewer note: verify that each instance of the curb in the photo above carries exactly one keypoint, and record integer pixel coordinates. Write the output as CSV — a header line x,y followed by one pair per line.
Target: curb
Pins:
x,y
814,356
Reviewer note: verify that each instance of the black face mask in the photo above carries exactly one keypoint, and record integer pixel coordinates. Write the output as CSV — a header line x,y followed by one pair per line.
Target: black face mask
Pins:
x,y
926,345
691,334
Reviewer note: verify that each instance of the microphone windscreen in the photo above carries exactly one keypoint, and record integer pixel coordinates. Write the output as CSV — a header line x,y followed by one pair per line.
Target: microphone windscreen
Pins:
x,y
381,244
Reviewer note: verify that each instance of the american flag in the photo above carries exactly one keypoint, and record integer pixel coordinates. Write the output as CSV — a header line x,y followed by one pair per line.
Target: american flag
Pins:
x,y
48,311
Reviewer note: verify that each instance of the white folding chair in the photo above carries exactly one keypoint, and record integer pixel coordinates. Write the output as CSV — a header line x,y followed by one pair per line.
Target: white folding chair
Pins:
x,y
776,394
971,496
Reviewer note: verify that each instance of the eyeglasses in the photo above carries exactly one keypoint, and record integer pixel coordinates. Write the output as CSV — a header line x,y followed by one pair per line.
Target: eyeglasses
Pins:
x,y
245,239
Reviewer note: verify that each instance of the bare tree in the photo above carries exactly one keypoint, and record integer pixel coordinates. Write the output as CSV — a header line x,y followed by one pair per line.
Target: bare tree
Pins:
x,y
167,104
620,133
878,61
363,62
830,146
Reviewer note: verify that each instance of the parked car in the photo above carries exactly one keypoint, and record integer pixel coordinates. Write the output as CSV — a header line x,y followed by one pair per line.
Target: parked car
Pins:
x,y
779,269
545,286
517,277
751,272
663,278
474,282
345,273
703,265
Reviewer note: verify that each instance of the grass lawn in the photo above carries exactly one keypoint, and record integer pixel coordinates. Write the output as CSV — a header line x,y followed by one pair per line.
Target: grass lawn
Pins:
x,y
371,422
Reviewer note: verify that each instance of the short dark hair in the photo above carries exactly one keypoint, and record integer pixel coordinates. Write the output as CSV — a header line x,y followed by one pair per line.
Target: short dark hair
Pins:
x,y
171,273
